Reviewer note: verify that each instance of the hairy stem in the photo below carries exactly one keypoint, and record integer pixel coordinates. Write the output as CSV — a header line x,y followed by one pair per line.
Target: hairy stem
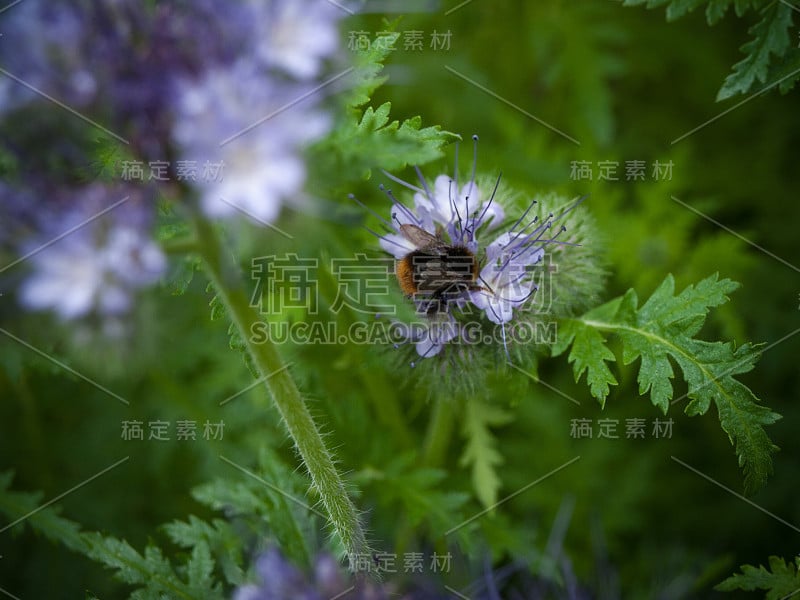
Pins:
x,y
226,277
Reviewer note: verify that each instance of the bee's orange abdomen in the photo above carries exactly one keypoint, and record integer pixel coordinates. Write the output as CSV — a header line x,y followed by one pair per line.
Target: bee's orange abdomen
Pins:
x,y
404,269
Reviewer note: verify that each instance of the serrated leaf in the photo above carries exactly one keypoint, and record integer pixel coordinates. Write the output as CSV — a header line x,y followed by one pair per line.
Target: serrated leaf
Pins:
x,y
375,140
367,66
220,536
200,567
181,275
418,491
716,9
679,8
661,331
781,580
769,57
480,451
770,37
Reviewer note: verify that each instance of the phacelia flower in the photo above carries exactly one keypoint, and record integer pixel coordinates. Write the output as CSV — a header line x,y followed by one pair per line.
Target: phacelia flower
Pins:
x,y
253,128
44,45
278,579
253,118
297,37
476,274
91,263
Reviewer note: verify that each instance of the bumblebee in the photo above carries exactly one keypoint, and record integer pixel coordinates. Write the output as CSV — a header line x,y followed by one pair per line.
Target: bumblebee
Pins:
x,y
435,273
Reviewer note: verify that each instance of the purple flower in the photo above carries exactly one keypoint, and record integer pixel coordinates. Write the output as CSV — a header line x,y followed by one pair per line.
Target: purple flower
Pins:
x,y
86,264
254,128
43,44
297,37
280,580
450,222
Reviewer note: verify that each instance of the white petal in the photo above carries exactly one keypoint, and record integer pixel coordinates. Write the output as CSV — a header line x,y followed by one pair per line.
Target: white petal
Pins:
x,y
396,245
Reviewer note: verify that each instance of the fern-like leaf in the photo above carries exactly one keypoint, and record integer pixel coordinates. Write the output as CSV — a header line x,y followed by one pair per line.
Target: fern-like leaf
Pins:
x,y
480,451
663,328
770,37
771,60
781,580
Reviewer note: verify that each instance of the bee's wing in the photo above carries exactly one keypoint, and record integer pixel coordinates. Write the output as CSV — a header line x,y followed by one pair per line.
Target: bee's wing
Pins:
x,y
417,236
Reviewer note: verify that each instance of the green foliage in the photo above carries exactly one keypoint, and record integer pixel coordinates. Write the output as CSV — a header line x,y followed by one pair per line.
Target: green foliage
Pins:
x,y
367,138
780,580
150,572
665,327
770,41
505,429
480,451
374,140
771,58
402,483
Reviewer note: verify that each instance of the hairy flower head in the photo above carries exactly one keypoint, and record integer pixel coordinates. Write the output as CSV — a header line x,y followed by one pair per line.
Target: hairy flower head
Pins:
x,y
486,268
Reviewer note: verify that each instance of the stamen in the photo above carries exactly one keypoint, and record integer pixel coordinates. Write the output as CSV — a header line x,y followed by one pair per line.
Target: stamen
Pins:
x,y
410,186
575,205
369,210
505,343
424,183
527,210
455,167
489,203
408,212
453,204
474,163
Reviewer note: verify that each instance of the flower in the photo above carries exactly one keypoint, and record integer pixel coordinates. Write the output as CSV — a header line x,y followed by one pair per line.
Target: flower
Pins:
x,y
44,44
253,126
278,579
428,337
91,264
449,223
297,37
255,116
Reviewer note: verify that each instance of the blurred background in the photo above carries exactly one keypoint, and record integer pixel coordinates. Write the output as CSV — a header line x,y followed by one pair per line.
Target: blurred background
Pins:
x,y
572,97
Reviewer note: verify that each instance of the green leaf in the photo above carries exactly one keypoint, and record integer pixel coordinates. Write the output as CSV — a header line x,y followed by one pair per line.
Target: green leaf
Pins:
x,y
367,66
589,352
151,571
373,140
680,8
480,451
771,59
663,329
781,580
219,536
770,37
181,274
45,521
271,498
416,491
200,567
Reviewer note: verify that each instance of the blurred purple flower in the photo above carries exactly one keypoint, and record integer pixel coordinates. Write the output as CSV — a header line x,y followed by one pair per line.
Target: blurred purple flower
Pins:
x,y
44,44
252,125
96,268
256,115
278,579
297,37
189,73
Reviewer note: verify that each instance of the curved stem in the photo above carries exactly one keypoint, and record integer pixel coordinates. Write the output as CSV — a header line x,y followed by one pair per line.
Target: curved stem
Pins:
x,y
226,277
